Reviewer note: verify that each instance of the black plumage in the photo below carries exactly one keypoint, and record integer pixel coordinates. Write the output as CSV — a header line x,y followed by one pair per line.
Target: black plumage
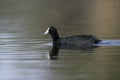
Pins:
x,y
77,40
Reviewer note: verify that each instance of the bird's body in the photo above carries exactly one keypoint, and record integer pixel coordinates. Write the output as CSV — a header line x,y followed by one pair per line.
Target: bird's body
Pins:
x,y
77,40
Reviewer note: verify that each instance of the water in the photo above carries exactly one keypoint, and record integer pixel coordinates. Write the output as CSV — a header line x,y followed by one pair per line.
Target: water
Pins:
x,y
27,54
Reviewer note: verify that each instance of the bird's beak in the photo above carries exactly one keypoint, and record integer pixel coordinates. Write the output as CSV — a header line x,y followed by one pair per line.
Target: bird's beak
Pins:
x,y
47,31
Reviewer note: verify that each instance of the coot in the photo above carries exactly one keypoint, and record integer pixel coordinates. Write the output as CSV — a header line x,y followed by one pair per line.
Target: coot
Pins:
x,y
77,40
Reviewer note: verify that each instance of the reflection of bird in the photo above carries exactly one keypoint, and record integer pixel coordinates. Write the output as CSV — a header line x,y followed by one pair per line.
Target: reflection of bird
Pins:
x,y
54,53
76,40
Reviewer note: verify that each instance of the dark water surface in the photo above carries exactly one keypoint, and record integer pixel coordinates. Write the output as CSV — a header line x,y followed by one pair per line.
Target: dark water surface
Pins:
x,y
25,51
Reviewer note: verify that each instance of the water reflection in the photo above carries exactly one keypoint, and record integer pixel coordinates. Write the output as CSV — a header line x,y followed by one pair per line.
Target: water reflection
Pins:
x,y
54,53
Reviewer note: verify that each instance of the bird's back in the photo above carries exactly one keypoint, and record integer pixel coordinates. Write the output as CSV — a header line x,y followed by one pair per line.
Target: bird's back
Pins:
x,y
78,40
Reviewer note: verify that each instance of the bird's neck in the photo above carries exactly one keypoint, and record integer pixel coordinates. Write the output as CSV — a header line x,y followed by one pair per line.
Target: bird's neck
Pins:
x,y
55,36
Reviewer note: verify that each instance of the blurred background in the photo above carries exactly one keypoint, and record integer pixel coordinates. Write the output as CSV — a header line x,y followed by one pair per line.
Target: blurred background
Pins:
x,y
24,50
70,17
